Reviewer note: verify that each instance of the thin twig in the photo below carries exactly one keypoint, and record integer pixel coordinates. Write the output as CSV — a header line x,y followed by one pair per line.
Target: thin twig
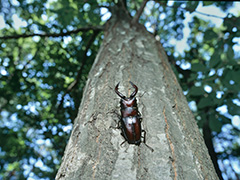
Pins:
x,y
83,29
209,15
139,12
84,60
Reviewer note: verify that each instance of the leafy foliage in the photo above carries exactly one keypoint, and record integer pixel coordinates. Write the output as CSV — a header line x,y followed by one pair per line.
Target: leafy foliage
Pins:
x,y
35,74
42,77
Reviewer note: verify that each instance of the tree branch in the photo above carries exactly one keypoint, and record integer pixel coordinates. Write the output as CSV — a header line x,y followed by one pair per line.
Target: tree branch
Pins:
x,y
189,9
139,12
209,15
83,29
76,81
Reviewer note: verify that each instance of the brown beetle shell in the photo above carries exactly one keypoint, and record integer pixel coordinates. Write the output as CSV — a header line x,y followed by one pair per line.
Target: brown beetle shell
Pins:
x,y
130,121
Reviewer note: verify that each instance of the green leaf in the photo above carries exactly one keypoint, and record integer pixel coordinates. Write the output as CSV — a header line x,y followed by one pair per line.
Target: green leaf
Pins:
x,y
196,91
192,5
193,76
228,75
233,109
228,22
215,124
215,59
207,3
210,35
204,102
202,121
198,67
230,55
209,101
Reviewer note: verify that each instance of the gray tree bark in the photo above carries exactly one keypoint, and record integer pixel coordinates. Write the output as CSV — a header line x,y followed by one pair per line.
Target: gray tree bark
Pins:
x,y
129,52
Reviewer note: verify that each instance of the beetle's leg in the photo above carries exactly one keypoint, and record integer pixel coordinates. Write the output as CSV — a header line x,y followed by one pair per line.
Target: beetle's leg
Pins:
x,y
144,136
118,125
144,140
123,135
141,95
123,141
149,147
139,116
118,117
117,114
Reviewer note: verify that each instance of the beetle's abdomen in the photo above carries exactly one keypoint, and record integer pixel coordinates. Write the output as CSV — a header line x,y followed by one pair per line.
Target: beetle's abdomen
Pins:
x,y
132,129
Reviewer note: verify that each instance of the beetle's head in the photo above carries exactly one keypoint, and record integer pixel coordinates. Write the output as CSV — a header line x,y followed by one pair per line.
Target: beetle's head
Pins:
x,y
124,97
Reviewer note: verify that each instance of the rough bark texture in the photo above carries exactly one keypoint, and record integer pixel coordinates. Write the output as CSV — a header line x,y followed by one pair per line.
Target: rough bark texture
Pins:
x,y
129,52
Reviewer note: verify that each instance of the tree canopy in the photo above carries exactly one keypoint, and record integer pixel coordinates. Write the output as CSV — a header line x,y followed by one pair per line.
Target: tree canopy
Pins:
x,y
48,48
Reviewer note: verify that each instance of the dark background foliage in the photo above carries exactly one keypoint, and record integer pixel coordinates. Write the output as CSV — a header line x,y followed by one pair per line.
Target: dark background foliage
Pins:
x,y
45,64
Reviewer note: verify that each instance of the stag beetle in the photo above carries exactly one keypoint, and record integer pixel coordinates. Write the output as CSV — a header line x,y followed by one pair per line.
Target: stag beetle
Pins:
x,y
130,120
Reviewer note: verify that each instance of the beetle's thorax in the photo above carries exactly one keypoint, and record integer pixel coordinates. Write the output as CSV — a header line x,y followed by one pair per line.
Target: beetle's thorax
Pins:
x,y
129,107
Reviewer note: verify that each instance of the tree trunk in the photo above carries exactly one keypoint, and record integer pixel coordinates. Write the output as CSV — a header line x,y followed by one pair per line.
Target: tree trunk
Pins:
x,y
130,53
